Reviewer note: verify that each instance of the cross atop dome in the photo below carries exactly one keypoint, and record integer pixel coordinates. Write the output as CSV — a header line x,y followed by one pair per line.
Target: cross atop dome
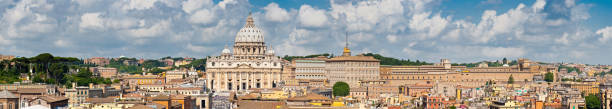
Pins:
x,y
250,21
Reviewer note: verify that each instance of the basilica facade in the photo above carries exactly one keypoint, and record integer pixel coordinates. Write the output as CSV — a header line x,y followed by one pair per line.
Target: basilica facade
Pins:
x,y
251,64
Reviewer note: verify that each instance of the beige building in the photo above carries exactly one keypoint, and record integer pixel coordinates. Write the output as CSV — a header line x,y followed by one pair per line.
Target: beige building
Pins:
x,y
6,57
606,98
443,72
104,72
352,69
310,68
8,100
251,64
175,74
100,61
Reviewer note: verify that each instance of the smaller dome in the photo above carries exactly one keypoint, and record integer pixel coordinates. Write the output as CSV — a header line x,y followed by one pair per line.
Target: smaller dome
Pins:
x,y
270,50
225,51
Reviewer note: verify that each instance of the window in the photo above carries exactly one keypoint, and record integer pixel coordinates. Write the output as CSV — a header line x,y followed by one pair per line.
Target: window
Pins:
x,y
229,86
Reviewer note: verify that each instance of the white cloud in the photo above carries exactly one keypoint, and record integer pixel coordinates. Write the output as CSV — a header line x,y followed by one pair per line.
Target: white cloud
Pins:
x,y
198,49
392,38
62,43
564,39
503,51
577,54
91,20
152,31
224,3
431,27
538,5
392,27
203,16
418,6
138,4
4,41
411,51
366,14
86,3
22,21
190,6
606,34
275,13
312,17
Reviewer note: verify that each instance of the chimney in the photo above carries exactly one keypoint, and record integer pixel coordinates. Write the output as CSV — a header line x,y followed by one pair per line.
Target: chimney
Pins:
x,y
73,85
91,86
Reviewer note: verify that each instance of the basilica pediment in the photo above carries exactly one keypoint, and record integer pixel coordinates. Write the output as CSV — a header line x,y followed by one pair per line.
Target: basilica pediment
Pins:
x,y
244,66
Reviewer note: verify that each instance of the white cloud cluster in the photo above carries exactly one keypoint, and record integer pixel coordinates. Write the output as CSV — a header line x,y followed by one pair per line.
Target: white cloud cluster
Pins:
x,y
413,29
312,17
606,34
275,13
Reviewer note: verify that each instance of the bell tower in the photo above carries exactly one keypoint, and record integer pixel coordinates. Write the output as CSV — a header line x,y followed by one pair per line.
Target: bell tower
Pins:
x,y
346,51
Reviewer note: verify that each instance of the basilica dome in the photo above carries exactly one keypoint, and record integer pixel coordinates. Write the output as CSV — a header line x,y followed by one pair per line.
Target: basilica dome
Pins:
x,y
249,33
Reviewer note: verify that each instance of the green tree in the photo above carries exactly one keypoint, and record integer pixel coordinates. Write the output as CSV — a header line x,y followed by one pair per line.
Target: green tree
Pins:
x,y
152,64
392,61
57,71
592,102
549,77
341,89
156,70
510,80
44,59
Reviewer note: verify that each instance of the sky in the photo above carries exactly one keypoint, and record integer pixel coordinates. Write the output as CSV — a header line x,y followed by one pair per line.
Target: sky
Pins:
x,y
576,31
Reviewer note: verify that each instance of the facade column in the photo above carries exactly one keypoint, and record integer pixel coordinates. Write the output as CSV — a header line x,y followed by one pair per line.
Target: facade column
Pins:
x,y
218,81
225,79
269,77
240,79
208,80
261,80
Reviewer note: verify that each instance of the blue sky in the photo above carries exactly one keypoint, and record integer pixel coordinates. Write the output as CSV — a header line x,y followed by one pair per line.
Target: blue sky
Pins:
x,y
462,31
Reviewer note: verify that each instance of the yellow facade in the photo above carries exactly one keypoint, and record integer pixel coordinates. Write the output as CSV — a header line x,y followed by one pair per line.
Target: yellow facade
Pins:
x,y
274,95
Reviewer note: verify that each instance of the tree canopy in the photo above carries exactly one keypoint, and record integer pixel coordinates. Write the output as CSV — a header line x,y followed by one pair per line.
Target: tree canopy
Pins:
x,y
510,80
592,102
392,61
289,58
341,89
549,77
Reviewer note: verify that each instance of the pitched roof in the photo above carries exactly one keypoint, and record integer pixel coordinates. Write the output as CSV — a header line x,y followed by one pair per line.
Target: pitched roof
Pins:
x,y
132,95
251,96
140,106
262,105
161,97
32,90
51,98
308,97
100,100
7,94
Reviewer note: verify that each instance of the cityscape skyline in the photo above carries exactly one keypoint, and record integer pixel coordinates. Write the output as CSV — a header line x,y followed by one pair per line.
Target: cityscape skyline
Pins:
x,y
547,31
337,54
